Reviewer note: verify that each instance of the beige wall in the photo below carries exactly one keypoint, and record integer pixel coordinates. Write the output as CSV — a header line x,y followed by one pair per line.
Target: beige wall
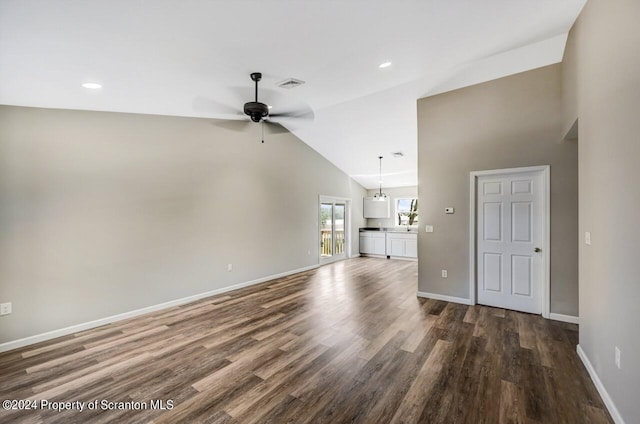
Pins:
x,y
104,213
393,193
506,123
602,80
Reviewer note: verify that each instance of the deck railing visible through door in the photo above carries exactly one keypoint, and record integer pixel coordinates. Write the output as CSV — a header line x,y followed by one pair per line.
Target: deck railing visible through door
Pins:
x,y
325,242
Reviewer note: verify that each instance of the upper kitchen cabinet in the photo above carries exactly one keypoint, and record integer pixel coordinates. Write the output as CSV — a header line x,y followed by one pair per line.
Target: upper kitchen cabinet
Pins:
x,y
377,208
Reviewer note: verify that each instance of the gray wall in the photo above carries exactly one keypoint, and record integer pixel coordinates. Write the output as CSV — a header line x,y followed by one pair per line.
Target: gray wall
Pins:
x,y
357,215
506,123
393,193
104,213
602,90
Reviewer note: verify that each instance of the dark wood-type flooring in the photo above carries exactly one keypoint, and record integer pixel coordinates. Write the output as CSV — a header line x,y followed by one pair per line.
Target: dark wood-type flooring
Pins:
x,y
348,342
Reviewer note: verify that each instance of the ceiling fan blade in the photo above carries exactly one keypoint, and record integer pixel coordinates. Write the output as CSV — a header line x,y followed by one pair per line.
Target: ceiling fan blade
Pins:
x,y
305,114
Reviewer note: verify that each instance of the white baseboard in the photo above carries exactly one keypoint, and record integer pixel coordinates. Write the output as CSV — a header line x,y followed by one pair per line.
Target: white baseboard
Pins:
x,y
445,298
402,258
608,402
15,344
566,318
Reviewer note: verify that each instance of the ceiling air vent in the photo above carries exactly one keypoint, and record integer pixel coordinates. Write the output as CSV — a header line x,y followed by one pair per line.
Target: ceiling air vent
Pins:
x,y
290,83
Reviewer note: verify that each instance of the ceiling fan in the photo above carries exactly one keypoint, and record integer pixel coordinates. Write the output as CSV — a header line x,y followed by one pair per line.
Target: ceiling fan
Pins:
x,y
259,112
256,110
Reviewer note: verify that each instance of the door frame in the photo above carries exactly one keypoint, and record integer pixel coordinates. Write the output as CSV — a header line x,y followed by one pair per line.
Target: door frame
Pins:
x,y
347,227
546,257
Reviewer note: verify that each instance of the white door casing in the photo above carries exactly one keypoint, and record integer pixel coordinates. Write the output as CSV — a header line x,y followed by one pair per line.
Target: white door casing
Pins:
x,y
335,205
511,239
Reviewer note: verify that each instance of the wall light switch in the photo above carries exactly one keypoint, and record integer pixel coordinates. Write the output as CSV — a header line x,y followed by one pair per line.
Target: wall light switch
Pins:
x,y
444,273
229,267
617,358
448,210
587,237
5,308
428,228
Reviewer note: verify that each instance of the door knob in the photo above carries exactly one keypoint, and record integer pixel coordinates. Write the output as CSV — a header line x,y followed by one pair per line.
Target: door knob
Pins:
x,y
537,250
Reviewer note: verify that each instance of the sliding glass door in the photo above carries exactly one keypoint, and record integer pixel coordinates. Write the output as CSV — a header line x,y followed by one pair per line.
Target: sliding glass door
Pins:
x,y
333,224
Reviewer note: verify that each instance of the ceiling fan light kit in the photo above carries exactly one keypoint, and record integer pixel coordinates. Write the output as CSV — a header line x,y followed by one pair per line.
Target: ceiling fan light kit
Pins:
x,y
380,195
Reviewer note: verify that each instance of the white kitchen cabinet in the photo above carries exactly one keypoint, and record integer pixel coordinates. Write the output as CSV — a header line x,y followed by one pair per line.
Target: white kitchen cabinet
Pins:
x,y
395,246
411,247
373,243
376,208
402,245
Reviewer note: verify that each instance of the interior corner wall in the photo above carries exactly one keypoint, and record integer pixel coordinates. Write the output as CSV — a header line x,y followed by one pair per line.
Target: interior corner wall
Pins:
x,y
506,123
358,220
602,69
105,213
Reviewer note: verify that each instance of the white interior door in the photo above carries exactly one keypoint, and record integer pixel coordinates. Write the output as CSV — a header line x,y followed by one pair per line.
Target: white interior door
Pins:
x,y
510,237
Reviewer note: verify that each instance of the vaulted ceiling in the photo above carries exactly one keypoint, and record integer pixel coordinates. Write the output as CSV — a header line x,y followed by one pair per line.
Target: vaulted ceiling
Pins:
x,y
194,57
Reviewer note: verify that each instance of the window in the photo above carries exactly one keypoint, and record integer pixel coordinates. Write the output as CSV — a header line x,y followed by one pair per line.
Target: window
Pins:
x,y
407,211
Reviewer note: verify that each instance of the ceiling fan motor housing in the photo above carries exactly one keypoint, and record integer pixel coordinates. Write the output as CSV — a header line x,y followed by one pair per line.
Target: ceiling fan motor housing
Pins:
x,y
256,110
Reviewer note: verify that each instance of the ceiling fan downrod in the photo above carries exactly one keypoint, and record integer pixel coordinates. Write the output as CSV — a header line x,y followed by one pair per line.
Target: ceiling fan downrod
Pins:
x,y
256,110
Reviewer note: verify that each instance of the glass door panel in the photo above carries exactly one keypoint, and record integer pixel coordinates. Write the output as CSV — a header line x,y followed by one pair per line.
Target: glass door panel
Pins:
x,y
334,238
338,228
326,230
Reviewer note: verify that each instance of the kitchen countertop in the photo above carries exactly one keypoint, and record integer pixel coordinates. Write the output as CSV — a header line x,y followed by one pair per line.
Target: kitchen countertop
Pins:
x,y
402,230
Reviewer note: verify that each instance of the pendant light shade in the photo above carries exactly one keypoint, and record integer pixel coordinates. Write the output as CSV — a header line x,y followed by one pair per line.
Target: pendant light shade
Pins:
x,y
380,195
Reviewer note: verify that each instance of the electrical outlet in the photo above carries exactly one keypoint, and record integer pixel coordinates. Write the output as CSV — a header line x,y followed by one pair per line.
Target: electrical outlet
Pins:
x,y
428,228
229,267
444,273
617,357
5,308
587,238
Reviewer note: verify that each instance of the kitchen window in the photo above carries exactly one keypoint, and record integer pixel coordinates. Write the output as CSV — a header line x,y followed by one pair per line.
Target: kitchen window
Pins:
x,y
406,211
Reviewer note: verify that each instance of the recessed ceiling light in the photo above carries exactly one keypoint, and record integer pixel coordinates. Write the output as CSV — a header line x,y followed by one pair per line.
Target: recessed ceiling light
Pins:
x,y
92,85
384,65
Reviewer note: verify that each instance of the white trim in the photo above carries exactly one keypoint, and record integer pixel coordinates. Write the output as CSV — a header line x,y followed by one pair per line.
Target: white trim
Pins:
x,y
608,402
566,318
546,173
331,198
445,298
15,344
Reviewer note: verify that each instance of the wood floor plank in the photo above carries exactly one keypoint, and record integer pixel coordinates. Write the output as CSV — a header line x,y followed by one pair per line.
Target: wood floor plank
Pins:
x,y
418,333
512,409
347,342
414,400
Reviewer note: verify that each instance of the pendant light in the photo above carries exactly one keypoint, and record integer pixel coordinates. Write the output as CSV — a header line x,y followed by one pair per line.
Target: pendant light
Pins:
x,y
380,195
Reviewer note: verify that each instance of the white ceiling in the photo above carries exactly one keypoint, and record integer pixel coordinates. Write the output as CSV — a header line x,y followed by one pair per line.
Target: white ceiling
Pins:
x,y
191,57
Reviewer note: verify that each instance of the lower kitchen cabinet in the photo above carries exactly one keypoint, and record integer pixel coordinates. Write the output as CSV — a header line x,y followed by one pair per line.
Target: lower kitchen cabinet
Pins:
x,y
391,244
402,245
373,243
